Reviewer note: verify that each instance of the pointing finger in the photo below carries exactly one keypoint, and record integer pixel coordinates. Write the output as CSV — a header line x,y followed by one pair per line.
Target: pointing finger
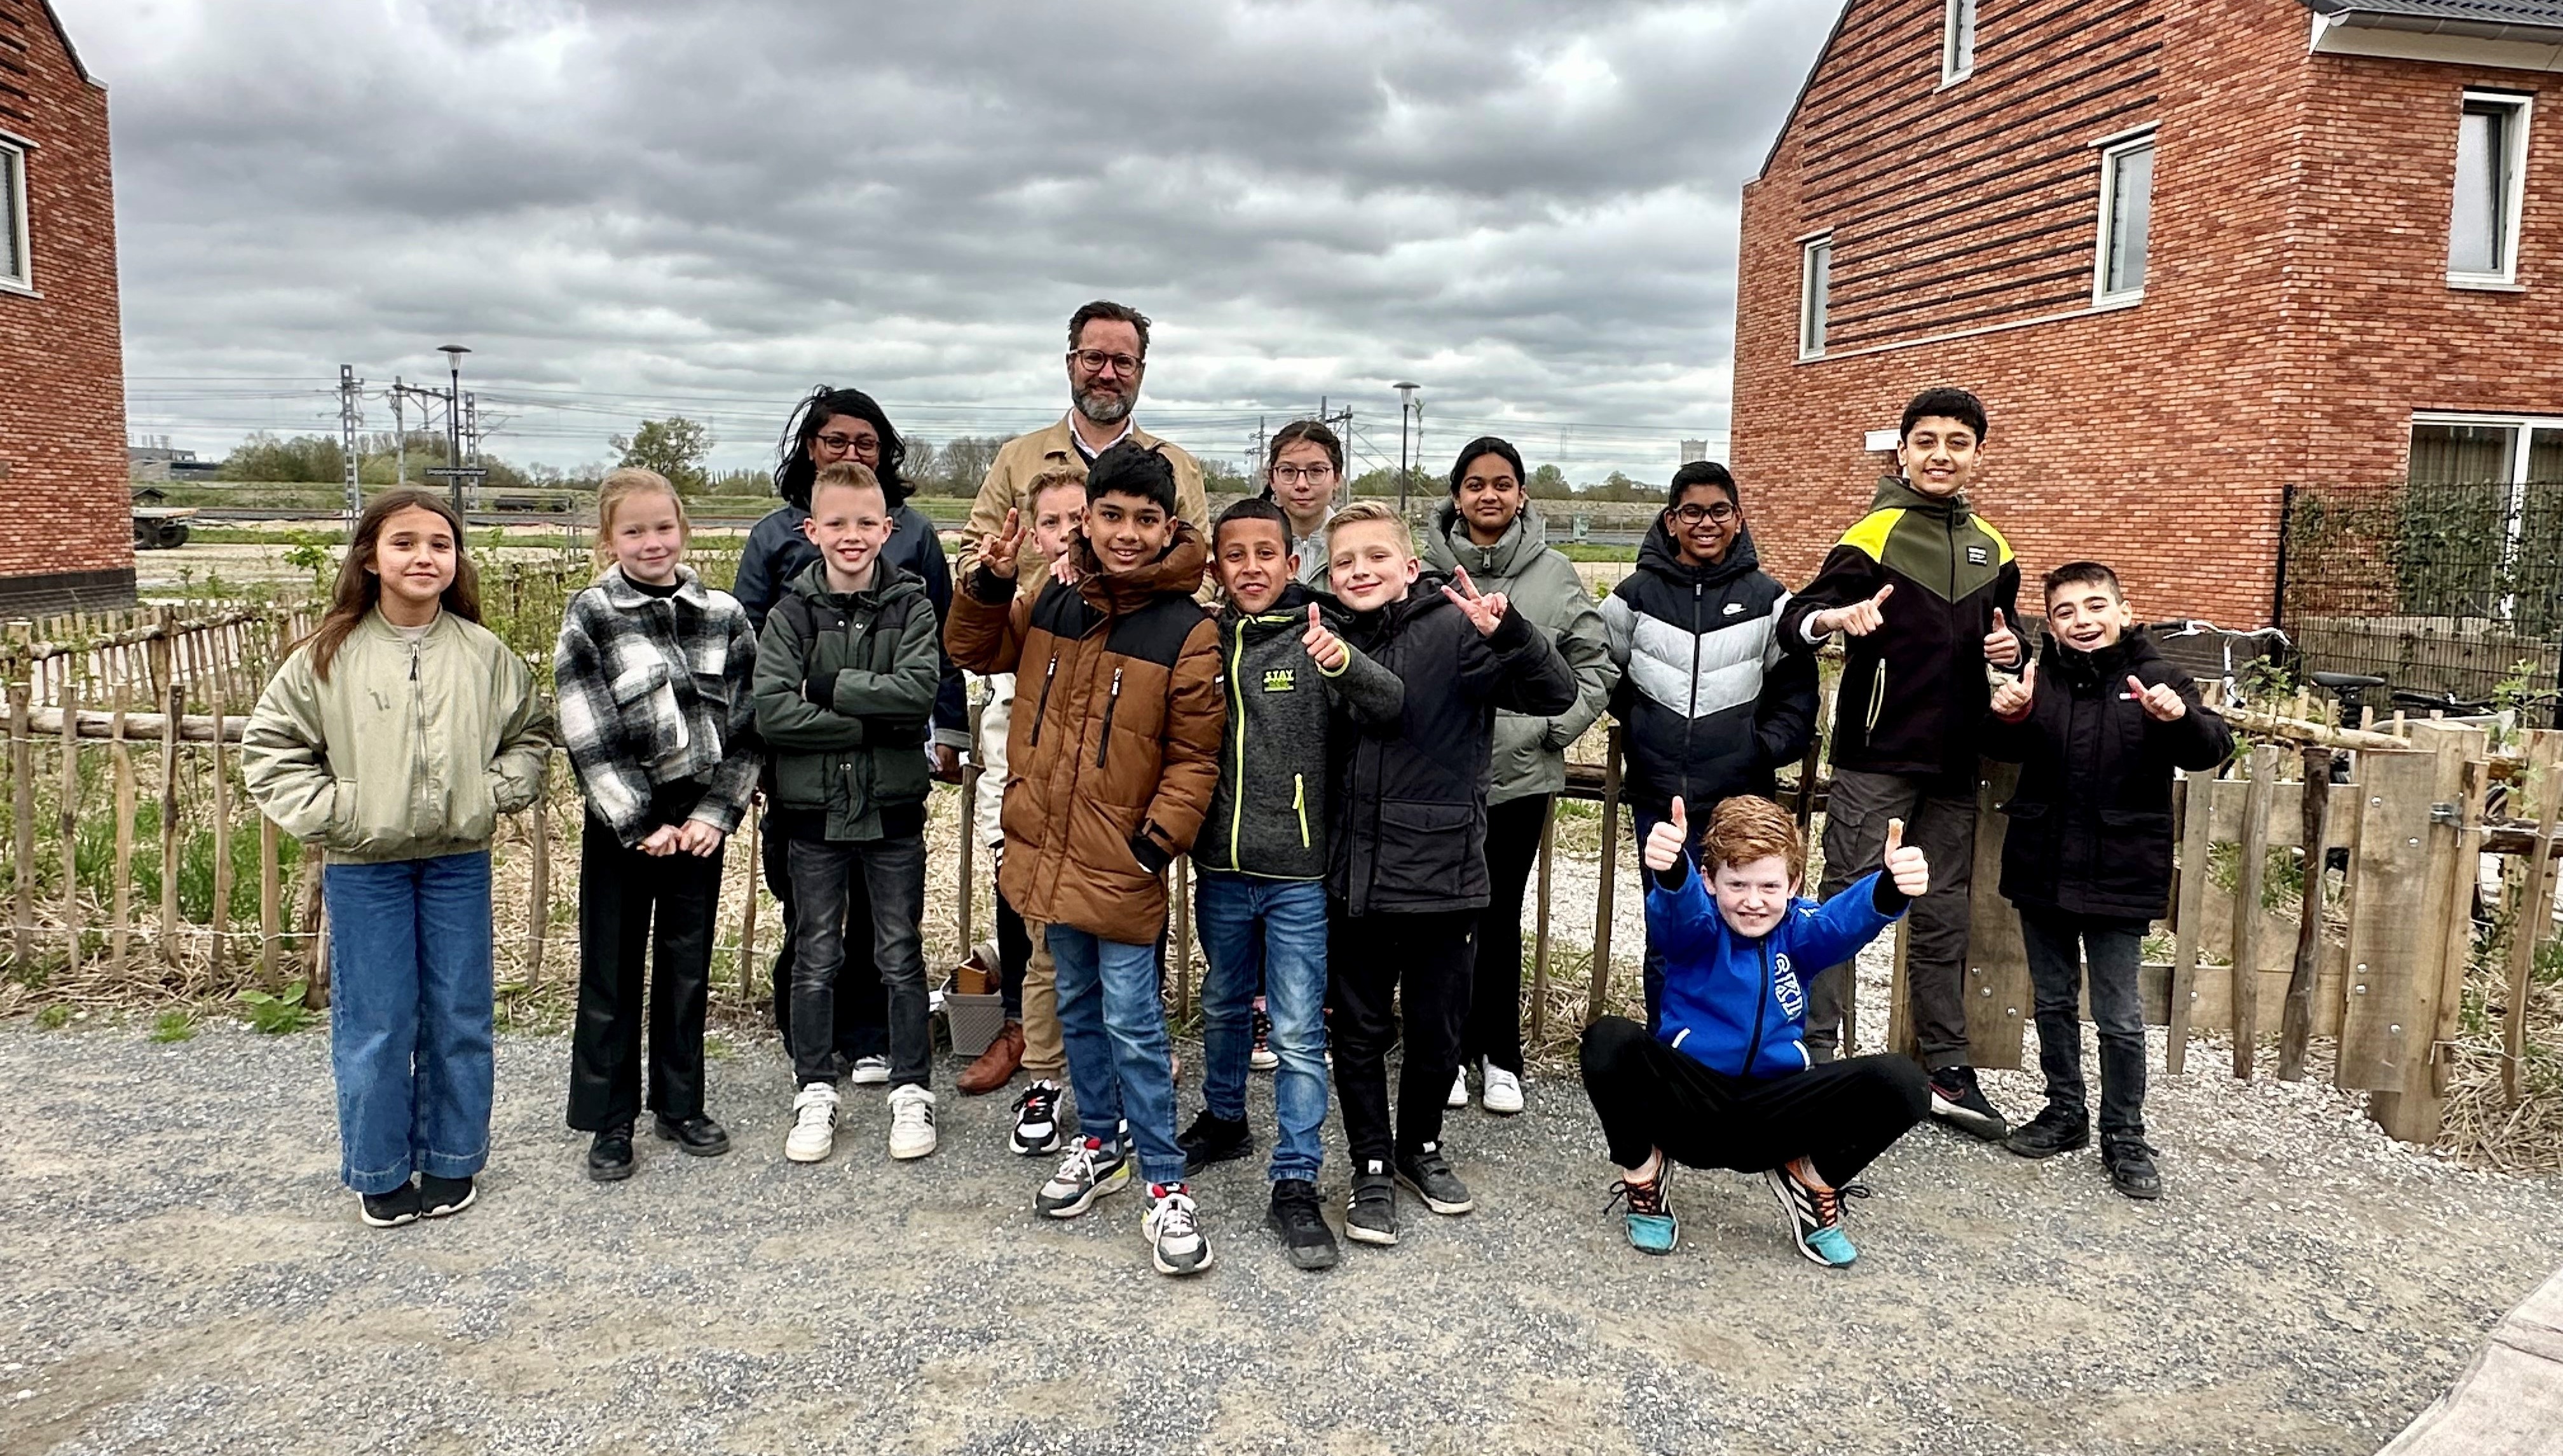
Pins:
x,y
1883,593
2135,686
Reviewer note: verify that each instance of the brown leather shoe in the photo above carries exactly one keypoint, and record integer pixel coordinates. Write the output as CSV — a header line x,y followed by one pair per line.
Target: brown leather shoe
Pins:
x,y
995,1066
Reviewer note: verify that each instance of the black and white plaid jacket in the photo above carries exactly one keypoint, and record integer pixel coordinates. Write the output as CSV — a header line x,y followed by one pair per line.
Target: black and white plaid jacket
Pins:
x,y
655,690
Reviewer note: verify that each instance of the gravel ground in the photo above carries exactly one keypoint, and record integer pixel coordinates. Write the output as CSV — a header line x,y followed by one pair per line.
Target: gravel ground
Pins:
x,y
184,1274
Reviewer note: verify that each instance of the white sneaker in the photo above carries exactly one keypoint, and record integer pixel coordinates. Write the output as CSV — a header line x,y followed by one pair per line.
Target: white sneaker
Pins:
x,y
1503,1094
870,1071
1459,1089
912,1121
814,1124
1175,1243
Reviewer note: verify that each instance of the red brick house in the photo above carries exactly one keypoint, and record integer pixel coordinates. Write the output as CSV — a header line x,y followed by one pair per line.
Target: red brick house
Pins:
x,y
66,529
2190,252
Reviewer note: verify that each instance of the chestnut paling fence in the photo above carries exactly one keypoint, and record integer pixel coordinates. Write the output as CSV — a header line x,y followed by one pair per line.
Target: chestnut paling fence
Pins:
x,y
2330,886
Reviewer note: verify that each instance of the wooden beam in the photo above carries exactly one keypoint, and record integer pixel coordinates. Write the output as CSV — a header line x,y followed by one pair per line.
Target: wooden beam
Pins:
x,y
2189,908
2295,1024
2251,872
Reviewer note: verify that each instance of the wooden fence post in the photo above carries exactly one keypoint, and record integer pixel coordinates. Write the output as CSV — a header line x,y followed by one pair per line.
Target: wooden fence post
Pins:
x,y
2415,1109
2251,872
174,706
222,847
1182,949
271,903
2536,914
2295,1023
121,934
67,826
22,786
750,825
2197,795
1540,958
1610,873
538,917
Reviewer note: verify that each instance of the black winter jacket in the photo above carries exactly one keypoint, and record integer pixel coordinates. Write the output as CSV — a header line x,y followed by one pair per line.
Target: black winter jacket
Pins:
x,y
1711,700
1269,815
1913,692
777,552
1411,798
2091,823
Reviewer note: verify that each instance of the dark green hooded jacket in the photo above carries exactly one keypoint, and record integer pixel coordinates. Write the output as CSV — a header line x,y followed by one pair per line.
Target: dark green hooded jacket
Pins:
x,y
845,683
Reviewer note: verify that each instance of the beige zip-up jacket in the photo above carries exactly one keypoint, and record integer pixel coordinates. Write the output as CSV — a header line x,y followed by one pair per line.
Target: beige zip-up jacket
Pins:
x,y
1027,457
409,751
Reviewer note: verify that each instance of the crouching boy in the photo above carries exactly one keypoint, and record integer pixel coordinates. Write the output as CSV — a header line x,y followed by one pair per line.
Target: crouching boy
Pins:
x,y
1112,754
1408,876
2098,724
1725,1081
1261,895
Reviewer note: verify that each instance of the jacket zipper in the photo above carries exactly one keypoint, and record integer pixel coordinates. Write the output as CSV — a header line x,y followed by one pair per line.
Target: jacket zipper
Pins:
x,y
1237,715
1692,716
1876,694
1104,749
1041,710
418,730
1761,1004
1300,806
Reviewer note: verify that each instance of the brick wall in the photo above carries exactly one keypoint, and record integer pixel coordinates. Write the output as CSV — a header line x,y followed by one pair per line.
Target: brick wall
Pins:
x,y
66,536
2295,307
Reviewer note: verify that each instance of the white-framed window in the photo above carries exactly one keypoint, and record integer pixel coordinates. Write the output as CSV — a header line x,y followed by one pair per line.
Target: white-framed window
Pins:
x,y
1957,41
15,270
1814,294
2481,478
2126,211
2491,191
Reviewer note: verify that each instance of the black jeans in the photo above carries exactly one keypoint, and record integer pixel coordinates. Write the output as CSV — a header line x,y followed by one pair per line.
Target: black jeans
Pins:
x,y
1367,956
823,873
1013,955
1493,1028
2057,944
1939,820
862,1008
618,888
1843,1114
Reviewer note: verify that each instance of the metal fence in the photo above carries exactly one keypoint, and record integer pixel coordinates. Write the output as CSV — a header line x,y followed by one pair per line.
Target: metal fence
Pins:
x,y
2453,590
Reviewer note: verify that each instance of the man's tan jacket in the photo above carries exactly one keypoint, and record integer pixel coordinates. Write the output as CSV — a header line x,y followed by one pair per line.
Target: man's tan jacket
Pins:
x,y
1027,457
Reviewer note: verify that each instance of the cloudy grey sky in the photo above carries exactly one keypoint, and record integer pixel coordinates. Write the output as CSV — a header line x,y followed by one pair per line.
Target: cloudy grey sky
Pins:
x,y
663,205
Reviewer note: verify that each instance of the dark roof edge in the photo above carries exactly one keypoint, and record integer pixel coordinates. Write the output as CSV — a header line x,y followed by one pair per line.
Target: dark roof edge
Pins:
x,y
2354,13
69,49
1799,102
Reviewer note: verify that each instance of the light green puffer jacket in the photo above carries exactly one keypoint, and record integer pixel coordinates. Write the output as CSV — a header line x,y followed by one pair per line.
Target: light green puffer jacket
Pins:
x,y
1542,585
407,752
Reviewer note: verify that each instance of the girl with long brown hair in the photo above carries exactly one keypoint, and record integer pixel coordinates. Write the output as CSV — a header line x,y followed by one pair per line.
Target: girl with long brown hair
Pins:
x,y
392,739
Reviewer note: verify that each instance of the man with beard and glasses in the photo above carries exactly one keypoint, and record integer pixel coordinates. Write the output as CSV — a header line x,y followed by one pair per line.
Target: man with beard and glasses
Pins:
x,y
1107,352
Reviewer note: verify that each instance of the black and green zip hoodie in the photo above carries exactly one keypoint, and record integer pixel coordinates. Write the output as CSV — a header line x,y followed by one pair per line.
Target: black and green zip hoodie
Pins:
x,y
1268,816
1914,692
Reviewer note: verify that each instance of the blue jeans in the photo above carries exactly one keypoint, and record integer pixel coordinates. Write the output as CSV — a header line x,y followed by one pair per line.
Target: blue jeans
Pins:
x,y
1119,1061
1273,931
410,1018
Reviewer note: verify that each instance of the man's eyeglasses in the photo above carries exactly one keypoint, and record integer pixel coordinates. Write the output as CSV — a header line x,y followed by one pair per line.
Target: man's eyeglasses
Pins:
x,y
1093,360
1692,516
1293,475
852,443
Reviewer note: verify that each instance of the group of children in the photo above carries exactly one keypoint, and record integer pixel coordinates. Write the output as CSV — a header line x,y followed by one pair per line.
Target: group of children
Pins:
x,y
1324,720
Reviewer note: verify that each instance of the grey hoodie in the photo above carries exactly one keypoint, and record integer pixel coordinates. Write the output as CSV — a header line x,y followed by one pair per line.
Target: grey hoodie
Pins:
x,y
1268,816
1530,753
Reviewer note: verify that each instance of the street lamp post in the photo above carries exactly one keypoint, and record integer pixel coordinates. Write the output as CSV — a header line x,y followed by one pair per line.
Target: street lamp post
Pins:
x,y
454,416
1404,407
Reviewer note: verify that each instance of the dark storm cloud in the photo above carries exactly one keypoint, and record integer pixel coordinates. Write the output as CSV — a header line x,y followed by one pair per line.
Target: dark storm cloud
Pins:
x,y
1529,207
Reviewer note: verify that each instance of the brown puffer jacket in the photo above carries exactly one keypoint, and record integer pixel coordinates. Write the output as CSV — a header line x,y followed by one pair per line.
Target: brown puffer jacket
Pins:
x,y
1112,750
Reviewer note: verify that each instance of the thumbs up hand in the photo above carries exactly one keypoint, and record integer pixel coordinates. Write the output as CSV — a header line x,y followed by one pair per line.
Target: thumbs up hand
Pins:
x,y
1906,864
1325,649
2001,648
2012,700
1859,619
2159,701
1665,844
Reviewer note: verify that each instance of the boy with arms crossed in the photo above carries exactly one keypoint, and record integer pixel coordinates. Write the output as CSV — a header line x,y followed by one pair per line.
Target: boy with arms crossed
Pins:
x,y
1408,876
1111,755
1926,590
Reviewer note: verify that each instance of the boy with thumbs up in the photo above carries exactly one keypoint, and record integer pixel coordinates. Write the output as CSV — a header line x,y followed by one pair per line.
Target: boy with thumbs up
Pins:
x,y
1927,592
1259,895
1725,1081
2098,724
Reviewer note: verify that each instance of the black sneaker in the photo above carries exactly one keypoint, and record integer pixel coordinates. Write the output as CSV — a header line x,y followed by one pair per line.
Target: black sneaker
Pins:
x,y
2131,1169
699,1135
2052,1131
1035,1132
1956,1100
1214,1139
439,1196
1426,1174
389,1211
1370,1208
1296,1217
609,1158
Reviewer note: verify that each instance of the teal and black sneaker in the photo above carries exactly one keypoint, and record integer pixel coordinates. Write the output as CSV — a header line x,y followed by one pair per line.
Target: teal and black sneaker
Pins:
x,y
1653,1229
1815,1214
